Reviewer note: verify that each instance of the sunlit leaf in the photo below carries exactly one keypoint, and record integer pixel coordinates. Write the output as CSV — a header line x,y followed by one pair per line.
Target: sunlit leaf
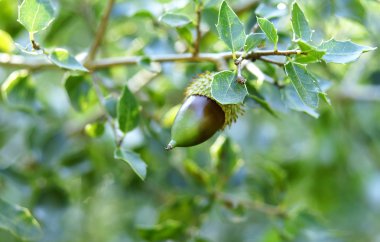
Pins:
x,y
268,28
35,15
342,52
63,59
300,24
185,33
226,90
80,92
94,129
230,29
6,42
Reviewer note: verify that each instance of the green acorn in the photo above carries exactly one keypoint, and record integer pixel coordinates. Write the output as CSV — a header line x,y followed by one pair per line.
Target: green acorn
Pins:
x,y
200,115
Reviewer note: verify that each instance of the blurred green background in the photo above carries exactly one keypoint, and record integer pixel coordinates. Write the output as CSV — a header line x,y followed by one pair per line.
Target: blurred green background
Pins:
x,y
291,178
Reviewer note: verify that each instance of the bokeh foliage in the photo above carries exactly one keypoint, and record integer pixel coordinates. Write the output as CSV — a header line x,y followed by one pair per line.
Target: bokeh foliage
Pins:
x,y
282,177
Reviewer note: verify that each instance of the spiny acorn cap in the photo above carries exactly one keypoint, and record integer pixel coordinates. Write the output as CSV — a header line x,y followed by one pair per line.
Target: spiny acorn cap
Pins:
x,y
201,85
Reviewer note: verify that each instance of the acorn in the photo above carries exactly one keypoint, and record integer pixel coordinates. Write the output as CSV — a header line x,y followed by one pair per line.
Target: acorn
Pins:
x,y
200,115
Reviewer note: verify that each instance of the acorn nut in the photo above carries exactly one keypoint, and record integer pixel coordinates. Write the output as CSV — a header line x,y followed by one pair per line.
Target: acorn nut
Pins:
x,y
201,116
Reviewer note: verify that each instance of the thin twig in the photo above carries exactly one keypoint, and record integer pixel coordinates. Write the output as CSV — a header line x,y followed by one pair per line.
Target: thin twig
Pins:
x,y
100,96
188,57
255,28
99,34
257,54
198,29
267,209
36,62
272,61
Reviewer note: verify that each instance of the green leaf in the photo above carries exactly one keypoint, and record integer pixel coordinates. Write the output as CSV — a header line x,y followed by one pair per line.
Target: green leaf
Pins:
x,y
268,28
80,92
259,99
198,175
28,49
164,231
133,159
293,101
63,59
110,103
175,20
300,24
185,33
94,129
264,104
18,89
6,42
305,84
226,90
225,158
35,15
342,52
127,111
230,29
310,53
254,40
19,221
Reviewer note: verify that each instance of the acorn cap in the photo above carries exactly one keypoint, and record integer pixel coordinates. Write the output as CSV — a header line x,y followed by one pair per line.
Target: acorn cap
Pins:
x,y
201,85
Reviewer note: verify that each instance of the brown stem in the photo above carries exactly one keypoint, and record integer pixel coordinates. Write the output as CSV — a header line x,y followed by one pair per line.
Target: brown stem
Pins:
x,y
272,61
99,34
100,96
257,54
37,62
198,29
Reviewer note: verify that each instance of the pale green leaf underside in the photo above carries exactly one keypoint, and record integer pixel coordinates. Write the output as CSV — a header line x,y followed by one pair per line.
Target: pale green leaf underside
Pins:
x,y
294,102
127,111
305,84
35,15
268,28
19,221
134,160
175,20
300,24
226,90
342,52
63,59
230,29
